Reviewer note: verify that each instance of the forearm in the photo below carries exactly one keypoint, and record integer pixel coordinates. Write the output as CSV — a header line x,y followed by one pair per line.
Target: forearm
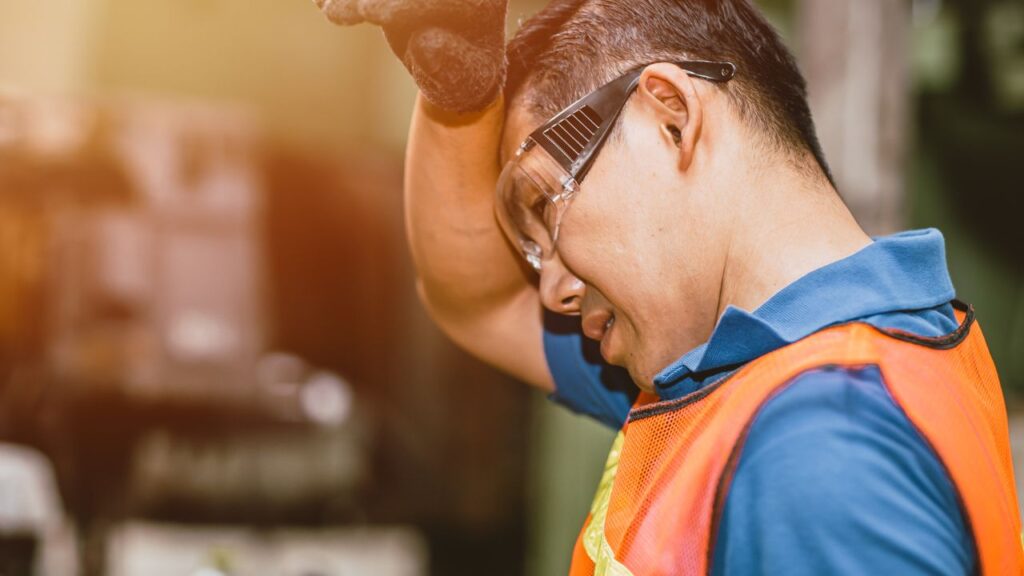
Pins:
x,y
463,262
470,281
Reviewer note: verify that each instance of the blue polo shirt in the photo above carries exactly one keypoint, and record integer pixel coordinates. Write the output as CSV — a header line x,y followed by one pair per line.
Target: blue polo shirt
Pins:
x,y
833,478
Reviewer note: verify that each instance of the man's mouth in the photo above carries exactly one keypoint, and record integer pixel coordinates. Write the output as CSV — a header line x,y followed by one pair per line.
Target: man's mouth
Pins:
x,y
597,324
606,347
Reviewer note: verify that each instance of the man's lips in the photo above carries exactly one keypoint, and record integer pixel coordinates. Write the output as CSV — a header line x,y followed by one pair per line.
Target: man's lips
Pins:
x,y
596,324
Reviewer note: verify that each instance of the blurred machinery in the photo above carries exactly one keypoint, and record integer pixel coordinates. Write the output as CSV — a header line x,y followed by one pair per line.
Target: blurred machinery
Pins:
x,y
134,324
161,294
203,330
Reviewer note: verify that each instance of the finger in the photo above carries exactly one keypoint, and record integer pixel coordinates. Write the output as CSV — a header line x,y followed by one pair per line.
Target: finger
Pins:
x,y
343,12
453,72
412,13
380,12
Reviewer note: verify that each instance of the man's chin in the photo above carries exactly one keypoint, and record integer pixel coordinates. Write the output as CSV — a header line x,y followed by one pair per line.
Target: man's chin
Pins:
x,y
641,370
644,380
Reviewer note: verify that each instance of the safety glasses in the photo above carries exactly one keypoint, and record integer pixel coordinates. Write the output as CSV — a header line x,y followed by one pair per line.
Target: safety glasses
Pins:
x,y
537,185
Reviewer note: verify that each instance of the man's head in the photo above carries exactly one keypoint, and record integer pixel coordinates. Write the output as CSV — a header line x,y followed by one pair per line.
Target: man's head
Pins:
x,y
645,241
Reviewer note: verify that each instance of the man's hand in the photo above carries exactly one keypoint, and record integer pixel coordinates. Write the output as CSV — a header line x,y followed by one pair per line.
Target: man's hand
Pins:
x,y
454,49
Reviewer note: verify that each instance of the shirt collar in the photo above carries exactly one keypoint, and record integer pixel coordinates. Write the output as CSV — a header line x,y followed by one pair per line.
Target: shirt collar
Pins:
x,y
905,271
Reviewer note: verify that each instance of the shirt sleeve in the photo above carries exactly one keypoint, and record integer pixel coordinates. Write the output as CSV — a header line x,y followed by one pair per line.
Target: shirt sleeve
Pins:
x,y
834,479
584,383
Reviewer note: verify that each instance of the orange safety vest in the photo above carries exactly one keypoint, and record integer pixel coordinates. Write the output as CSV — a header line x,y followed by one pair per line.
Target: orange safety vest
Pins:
x,y
668,474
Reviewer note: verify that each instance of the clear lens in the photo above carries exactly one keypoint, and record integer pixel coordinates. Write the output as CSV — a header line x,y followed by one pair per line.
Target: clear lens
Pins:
x,y
532,195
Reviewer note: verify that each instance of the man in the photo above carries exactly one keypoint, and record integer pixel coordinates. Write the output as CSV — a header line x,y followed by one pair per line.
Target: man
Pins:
x,y
796,398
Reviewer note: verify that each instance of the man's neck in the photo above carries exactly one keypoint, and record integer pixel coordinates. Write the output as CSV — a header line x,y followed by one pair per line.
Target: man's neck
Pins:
x,y
788,227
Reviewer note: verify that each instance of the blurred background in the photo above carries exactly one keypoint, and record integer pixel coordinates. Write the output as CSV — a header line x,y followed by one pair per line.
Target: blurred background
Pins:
x,y
212,360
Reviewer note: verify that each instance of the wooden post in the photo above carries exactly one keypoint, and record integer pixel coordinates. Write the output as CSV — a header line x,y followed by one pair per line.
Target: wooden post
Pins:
x,y
854,53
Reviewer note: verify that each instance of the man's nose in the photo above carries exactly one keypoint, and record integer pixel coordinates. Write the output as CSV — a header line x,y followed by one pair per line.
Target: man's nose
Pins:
x,y
560,290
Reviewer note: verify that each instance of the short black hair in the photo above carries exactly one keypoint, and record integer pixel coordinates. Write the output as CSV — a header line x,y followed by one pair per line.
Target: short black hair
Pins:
x,y
573,46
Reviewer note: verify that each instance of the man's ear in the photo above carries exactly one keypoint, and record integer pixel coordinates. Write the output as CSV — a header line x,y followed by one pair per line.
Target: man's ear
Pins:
x,y
672,94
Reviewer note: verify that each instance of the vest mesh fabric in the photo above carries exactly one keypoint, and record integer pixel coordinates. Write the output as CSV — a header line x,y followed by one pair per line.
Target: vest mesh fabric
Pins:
x,y
671,473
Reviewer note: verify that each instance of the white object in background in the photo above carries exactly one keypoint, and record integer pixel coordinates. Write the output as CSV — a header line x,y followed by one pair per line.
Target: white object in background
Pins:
x,y
151,549
327,399
30,505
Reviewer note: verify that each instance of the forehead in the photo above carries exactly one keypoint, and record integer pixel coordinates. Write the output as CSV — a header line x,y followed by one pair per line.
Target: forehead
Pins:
x,y
519,123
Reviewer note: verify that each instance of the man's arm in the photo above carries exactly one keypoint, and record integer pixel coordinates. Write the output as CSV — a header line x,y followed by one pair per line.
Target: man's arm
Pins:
x,y
469,279
471,282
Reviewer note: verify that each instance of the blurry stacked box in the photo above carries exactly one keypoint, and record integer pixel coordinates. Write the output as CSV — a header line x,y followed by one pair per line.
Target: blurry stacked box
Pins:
x,y
144,226
133,316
